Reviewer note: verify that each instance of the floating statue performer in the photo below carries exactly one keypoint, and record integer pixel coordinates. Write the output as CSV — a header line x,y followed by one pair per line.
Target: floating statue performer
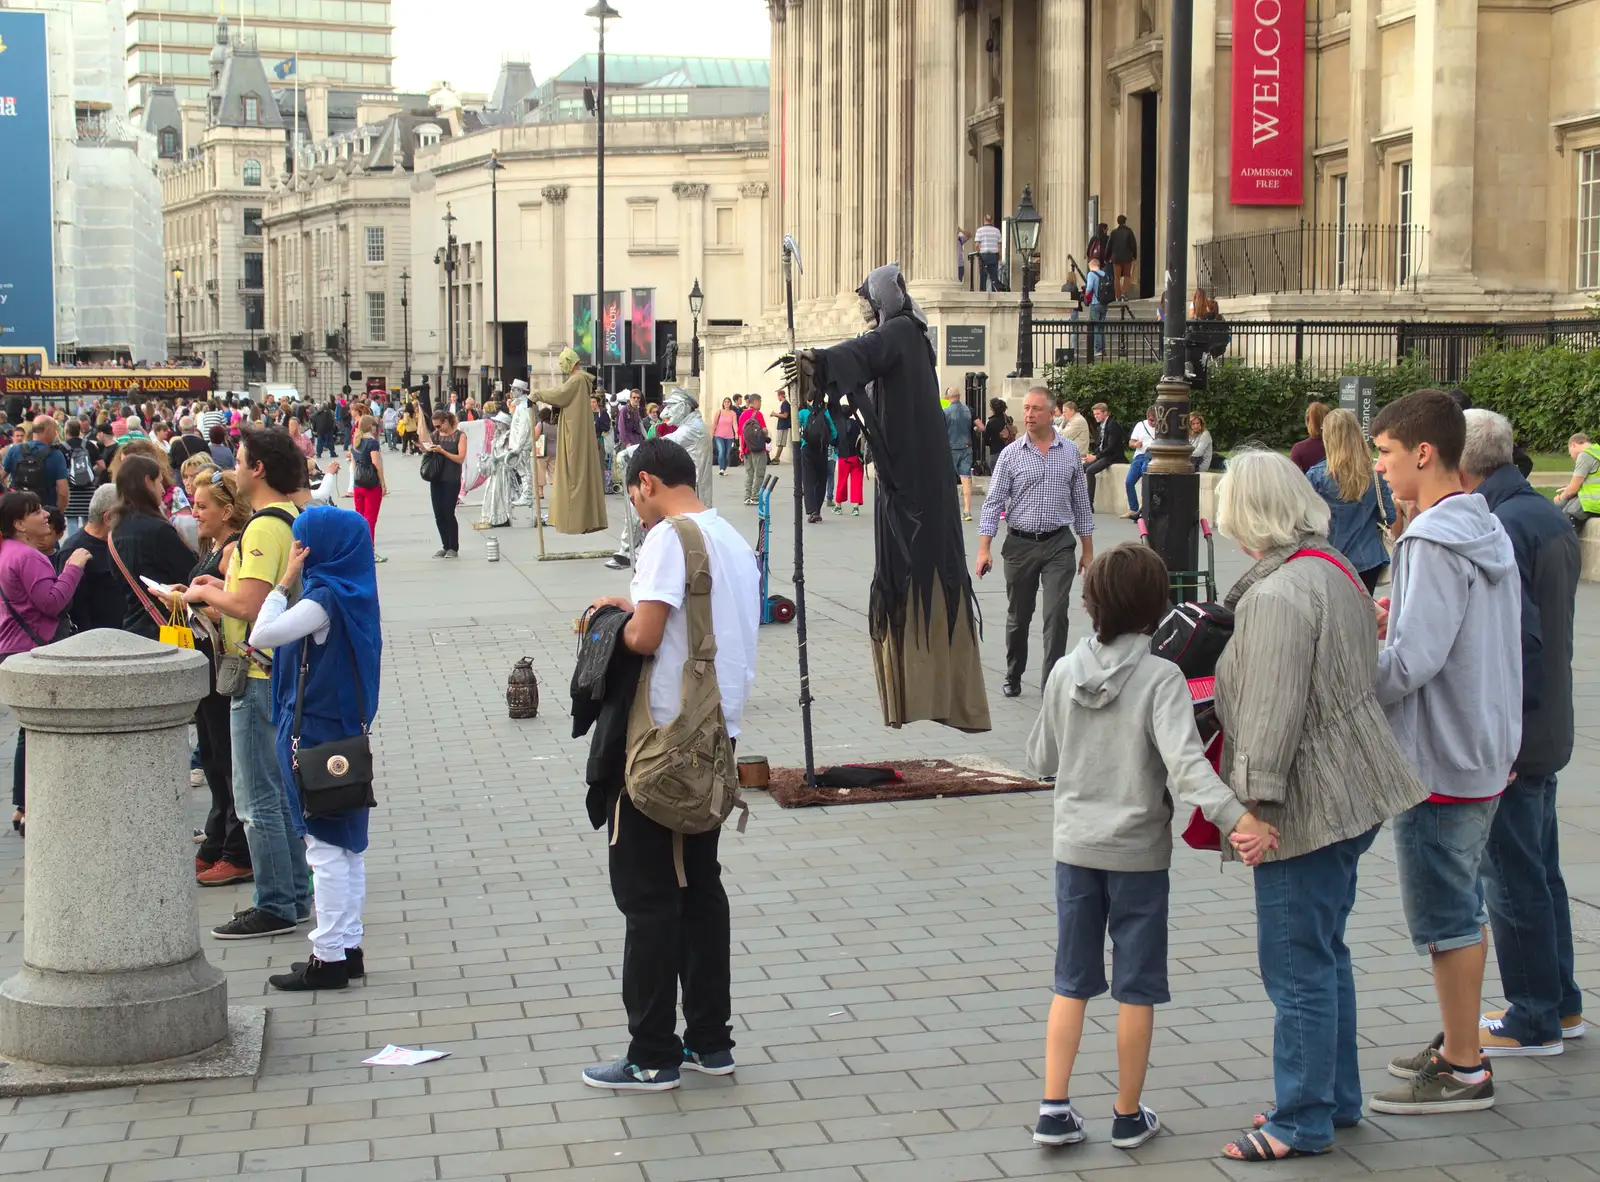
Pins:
x,y
682,423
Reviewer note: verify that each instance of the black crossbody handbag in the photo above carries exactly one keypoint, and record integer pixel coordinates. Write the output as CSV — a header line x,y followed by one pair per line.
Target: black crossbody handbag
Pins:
x,y
333,777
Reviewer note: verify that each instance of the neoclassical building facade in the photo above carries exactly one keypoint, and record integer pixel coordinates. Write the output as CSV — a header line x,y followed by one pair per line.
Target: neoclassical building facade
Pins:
x,y
1443,155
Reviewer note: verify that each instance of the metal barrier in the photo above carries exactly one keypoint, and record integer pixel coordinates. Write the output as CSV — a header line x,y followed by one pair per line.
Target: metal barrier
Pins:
x,y
1306,259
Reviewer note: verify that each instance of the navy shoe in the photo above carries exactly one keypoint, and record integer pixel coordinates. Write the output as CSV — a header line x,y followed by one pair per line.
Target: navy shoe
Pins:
x,y
1130,1132
1063,1128
623,1076
716,1063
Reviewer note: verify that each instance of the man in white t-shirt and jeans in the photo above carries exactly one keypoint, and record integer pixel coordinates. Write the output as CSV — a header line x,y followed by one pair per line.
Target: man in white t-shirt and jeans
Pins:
x,y
677,933
987,239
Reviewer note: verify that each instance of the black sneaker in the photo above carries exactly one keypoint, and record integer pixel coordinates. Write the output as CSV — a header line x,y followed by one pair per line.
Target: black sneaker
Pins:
x,y
252,924
354,962
314,974
1064,1128
1130,1132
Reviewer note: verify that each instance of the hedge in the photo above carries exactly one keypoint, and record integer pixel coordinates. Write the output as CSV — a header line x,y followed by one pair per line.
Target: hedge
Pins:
x,y
1547,391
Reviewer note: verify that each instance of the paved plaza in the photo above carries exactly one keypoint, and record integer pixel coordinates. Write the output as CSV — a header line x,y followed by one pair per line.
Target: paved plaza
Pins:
x,y
892,963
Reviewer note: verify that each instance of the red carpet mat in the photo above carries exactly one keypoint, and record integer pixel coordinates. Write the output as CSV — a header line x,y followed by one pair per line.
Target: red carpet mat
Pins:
x,y
920,779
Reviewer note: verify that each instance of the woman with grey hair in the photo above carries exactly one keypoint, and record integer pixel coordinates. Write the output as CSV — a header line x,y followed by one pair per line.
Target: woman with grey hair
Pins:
x,y
1307,749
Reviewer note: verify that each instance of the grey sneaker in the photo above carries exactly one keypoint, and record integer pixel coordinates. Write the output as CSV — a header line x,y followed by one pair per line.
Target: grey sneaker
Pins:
x,y
1407,1066
1435,1089
439,553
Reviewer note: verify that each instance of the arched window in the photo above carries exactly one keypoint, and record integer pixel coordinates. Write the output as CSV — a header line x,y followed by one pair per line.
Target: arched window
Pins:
x,y
252,173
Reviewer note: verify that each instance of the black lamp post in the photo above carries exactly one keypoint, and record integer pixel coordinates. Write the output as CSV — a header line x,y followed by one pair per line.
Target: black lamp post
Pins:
x,y
494,168
1172,507
697,301
447,256
405,315
1025,240
601,12
177,295
346,383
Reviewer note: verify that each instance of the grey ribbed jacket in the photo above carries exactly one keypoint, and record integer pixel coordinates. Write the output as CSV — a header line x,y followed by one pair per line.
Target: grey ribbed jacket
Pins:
x,y
1304,735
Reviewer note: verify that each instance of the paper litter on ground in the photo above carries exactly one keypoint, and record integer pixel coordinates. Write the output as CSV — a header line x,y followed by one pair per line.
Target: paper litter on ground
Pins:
x,y
393,1056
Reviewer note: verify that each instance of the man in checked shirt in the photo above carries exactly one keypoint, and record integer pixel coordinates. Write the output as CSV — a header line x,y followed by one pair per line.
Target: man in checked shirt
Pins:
x,y
1038,483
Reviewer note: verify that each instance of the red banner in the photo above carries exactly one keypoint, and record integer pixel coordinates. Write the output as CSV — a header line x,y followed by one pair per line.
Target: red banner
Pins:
x,y
1267,165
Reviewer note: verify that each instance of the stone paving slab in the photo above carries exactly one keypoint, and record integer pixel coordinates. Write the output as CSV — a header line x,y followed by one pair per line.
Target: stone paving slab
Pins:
x,y
891,962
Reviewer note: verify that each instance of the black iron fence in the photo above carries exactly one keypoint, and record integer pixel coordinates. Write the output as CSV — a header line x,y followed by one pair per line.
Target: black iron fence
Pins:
x,y
1306,258
1447,350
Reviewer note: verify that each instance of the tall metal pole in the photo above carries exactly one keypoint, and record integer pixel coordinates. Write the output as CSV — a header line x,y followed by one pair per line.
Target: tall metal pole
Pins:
x,y
405,313
1173,504
790,260
447,392
601,11
346,382
494,167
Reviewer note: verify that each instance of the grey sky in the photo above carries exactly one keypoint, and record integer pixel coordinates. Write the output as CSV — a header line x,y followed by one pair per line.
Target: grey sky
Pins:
x,y
463,41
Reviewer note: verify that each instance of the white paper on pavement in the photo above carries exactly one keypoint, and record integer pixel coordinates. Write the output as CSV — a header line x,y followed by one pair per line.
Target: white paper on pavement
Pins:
x,y
393,1056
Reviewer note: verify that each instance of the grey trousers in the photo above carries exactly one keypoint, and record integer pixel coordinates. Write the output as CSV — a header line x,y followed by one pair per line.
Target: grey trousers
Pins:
x,y
755,472
1052,562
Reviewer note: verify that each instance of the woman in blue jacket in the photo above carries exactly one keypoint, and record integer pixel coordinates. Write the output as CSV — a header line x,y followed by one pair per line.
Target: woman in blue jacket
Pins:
x,y
1357,497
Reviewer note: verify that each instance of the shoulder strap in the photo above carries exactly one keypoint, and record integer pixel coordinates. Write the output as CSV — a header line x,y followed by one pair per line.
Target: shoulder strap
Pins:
x,y
161,621
21,623
1326,557
300,693
697,589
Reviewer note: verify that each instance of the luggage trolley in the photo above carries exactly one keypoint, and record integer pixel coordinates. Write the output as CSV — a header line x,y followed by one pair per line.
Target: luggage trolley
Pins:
x,y
1181,581
774,608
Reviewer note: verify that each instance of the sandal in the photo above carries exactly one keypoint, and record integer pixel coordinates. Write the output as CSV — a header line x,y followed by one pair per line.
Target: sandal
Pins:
x,y
1255,1147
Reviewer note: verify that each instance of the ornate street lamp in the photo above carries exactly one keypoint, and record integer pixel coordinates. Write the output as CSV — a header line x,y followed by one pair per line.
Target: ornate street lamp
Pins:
x,y
1025,240
447,256
494,168
177,287
697,301
600,13
405,314
346,296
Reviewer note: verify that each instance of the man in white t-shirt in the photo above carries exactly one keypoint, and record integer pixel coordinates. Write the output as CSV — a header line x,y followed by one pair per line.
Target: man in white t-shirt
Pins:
x,y
1140,439
987,239
677,932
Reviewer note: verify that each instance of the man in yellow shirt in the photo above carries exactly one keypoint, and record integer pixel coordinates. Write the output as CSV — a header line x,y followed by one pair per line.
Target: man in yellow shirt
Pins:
x,y
271,476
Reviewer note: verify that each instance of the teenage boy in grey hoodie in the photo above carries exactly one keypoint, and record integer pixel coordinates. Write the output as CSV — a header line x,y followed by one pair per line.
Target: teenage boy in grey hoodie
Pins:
x,y
1450,682
1117,730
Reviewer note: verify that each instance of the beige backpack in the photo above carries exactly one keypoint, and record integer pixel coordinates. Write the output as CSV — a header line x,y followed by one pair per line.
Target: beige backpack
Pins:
x,y
683,775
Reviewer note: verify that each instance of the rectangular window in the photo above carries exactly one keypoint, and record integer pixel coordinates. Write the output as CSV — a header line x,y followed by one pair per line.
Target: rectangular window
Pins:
x,y
252,109
252,221
255,315
642,225
1341,230
1403,215
1589,219
252,272
375,244
722,229
377,317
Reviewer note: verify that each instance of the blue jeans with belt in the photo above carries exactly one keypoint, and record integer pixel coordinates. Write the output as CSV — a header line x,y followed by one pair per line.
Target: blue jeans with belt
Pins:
x,y
1135,474
277,852
1529,912
1301,908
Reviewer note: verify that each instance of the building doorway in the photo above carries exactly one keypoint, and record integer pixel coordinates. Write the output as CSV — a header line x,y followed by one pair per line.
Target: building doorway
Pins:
x,y
1148,155
994,186
514,352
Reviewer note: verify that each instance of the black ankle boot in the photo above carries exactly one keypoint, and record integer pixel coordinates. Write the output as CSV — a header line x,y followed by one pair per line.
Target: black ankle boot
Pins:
x,y
354,961
314,974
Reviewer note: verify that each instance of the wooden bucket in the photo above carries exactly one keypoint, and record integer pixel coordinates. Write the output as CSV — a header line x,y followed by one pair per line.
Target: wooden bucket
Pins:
x,y
754,772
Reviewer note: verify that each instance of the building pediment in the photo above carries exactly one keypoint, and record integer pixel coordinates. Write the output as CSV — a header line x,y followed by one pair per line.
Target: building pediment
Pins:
x,y
986,126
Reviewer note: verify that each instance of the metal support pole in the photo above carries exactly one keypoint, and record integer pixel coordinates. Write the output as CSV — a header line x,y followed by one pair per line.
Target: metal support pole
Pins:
x,y
1025,321
600,213
1172,506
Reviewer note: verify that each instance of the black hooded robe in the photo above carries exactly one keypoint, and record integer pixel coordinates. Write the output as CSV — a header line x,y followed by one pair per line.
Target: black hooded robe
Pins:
x,y
922,613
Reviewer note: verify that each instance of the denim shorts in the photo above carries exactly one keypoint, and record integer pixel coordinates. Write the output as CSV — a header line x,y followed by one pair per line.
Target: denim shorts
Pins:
x,y
963,461
1439,848
1132,905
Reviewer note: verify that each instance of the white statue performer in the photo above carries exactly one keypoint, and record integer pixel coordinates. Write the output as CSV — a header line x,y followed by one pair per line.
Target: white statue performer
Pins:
x,y
497,462
521,445
682,412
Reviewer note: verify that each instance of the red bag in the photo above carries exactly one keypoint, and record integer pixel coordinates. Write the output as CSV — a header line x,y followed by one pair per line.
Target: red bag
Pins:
x,y
1200,833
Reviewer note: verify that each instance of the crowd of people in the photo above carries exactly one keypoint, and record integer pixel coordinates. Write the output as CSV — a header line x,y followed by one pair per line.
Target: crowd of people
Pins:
x,y
214,520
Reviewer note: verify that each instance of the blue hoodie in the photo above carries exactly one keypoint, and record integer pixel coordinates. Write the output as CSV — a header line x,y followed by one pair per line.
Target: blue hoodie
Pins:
x,y
1450,674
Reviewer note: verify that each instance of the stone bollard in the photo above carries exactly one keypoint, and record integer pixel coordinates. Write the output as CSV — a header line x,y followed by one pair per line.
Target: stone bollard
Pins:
x,y
113,974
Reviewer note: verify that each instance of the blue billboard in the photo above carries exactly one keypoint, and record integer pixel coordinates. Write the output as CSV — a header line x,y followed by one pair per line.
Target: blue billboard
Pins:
x,y
27,237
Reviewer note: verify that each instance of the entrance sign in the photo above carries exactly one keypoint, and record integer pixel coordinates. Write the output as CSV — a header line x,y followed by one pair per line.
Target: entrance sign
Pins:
x,y
1267,160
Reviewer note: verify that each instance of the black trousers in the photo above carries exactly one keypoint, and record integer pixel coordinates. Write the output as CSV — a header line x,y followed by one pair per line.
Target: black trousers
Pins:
x,y
444,498
1028,566
1099,465
224,833
814,470
673,934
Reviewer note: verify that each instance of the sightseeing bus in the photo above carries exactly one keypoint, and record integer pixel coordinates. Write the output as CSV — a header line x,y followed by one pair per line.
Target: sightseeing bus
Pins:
x,y
28,373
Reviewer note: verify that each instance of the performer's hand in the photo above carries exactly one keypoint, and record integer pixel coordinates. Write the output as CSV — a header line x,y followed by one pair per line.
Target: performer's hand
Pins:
x,y
617,601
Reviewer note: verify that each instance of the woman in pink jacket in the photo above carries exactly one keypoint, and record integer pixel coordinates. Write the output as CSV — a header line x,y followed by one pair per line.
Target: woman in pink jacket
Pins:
x,y
33,598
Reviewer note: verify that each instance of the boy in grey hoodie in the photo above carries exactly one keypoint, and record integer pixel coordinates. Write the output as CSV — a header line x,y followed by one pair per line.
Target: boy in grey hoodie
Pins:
x,y
1117,730
1450,682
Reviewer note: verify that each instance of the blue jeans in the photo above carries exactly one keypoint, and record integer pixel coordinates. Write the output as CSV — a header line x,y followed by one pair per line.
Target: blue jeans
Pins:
x,y
328,443
277,853
1141,461
1097,317
1529,912
988,272
1438,850
724,452
1301,908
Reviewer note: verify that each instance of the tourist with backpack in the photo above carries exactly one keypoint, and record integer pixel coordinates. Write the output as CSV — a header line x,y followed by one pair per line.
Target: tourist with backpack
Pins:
x,y
695,594
37,466
1099,294
852,467
81,477
753,440
1308,749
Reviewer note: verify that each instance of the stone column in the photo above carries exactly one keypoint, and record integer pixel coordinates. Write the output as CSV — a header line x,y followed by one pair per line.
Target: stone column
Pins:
x,y
777,10
1203,129
1443,125
556,198
759,237
806,191
112,970
1366,95
848,185
933,168
691,242
872,178
900,196
1062,127
830,172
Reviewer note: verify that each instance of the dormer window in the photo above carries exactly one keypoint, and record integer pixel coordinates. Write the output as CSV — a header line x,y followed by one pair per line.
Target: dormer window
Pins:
x,y
252,174
252,109
366,145
169,142
428,135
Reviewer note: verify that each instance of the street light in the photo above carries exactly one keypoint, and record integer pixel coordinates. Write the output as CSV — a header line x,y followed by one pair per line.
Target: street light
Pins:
x,y
177,285
1025,240
447,256
697,301
346,382
494,168
405,313
601,12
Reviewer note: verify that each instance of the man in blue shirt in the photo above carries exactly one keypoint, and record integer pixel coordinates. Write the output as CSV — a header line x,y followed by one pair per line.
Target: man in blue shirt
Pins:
x,y
38,466
958,423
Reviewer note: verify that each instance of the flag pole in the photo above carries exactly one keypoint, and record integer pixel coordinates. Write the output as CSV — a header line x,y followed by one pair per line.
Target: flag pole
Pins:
x,y
294,68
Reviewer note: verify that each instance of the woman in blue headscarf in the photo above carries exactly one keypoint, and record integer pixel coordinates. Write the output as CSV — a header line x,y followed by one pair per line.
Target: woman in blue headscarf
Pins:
x,y
337,611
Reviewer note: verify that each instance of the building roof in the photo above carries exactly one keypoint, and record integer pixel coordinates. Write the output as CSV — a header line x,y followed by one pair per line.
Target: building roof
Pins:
x,y
648,70
513,85
244,75
161,110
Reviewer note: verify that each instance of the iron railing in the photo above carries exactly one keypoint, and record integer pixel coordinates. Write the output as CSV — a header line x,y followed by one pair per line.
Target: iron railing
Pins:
x,y
1308,259
1447,350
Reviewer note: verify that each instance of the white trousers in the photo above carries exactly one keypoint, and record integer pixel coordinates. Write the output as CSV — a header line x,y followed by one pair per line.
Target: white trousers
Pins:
x,y
339,881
